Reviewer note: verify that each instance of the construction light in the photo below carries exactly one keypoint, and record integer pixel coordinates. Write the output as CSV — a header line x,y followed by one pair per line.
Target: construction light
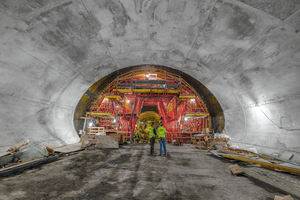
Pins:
x,y
114,120
91,124
128,101
192,100
185,119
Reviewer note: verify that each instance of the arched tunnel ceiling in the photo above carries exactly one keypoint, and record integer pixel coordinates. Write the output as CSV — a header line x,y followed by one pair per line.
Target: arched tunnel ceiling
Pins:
x,y
245,52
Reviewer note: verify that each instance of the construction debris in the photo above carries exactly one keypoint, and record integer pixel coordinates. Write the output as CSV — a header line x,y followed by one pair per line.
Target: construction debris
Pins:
x,y
50,150
211,141
15,149
6,158
270,162
263,160
18,167
236,170
31,150
281,166
23,153
288,197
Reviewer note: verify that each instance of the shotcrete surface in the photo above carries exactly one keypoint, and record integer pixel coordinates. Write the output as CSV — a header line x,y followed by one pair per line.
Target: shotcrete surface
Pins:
x,y
246,52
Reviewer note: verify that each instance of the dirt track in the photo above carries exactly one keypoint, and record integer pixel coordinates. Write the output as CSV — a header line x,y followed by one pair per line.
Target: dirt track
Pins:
x,y
131,173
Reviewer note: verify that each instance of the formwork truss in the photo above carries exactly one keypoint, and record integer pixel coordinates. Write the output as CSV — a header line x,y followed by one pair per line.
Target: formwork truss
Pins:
x,y
117,108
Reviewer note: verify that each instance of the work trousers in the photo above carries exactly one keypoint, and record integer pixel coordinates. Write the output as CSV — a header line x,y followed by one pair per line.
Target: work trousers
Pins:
x,y
152,141
162,143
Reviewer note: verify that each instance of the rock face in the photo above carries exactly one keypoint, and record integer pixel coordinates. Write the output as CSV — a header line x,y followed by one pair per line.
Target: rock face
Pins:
x,y
245,52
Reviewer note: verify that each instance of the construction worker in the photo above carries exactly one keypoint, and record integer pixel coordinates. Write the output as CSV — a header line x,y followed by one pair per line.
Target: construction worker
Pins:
x,y
162,138
152,135
96,122
137,138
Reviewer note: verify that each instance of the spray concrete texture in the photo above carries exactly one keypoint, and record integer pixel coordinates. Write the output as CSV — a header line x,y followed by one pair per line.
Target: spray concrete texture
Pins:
x,y
132,173
246,52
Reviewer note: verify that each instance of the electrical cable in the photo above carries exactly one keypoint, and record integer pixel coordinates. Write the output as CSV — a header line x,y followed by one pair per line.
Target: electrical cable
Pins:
x,y
276,124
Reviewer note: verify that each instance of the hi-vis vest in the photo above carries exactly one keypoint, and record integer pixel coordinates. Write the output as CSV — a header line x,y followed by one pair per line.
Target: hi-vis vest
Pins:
x,y
151,132
161,131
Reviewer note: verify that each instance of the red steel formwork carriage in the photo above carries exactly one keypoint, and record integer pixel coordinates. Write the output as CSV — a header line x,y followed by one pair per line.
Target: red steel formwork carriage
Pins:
x,y
118,107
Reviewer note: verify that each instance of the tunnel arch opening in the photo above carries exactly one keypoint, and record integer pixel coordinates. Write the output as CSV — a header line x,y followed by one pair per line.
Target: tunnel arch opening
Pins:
x,y
114,104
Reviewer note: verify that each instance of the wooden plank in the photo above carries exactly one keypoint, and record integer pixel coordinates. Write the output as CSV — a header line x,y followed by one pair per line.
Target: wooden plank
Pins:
x,y
288,197
238,153
266,164
93,130
25,160
84,125
236,170
123,132
86,118
11,164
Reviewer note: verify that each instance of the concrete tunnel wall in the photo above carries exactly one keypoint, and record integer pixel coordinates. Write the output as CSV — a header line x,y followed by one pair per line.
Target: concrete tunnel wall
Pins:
x,y
245,52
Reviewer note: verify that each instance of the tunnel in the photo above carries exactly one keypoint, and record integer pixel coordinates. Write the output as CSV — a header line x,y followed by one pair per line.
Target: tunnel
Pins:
x,y
56,55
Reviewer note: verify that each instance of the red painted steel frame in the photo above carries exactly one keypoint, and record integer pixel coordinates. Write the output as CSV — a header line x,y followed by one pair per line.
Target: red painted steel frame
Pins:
x,y
127,109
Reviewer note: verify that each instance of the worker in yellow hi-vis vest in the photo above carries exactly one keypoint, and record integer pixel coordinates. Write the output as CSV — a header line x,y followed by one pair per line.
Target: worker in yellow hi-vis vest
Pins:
x,y
152,135
162,138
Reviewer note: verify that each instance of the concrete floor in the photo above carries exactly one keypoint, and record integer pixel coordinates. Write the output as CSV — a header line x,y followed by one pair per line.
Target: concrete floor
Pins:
x,y
131,173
